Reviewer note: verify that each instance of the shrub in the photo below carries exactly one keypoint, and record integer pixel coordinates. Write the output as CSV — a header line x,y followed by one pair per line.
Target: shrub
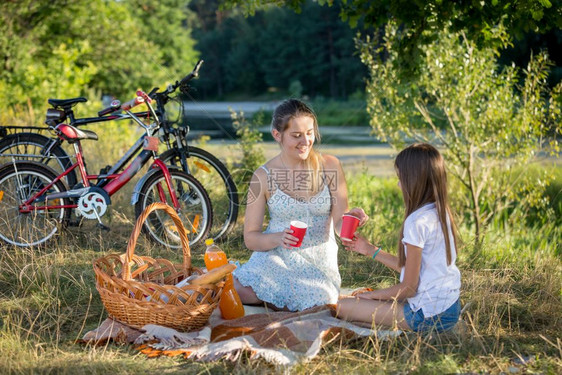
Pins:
x,y
487,120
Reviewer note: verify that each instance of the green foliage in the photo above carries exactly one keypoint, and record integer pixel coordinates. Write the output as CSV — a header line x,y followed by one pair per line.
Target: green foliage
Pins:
x,y
295,88
249,136
171,50
58,76
341,113
255,54
61,49
487,120
422,21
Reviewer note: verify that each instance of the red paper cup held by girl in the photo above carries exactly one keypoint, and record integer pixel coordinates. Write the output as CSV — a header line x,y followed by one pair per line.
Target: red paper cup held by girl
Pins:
x,y
299,230
348,227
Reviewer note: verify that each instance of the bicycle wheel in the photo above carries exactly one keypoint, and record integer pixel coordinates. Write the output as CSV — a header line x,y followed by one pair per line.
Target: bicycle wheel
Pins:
x,y
218,183
195,208
19,183
23,146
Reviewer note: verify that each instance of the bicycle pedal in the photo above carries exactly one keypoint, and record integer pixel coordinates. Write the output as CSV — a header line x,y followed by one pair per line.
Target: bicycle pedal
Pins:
x,y
103,227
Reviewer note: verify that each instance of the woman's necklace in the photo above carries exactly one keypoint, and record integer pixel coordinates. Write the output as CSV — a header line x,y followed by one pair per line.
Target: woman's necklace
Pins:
x,y
292,176
304,199
285,165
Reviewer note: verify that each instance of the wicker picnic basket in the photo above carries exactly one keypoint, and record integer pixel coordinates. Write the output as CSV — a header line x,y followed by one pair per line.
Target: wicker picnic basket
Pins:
x,y
139,290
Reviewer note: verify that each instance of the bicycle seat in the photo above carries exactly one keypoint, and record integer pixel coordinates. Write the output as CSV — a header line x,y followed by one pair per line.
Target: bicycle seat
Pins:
x,y
72,134
66,102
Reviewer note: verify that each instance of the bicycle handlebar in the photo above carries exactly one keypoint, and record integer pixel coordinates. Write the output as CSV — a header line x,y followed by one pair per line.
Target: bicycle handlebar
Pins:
x,y
190,76
114,106
132,103
143,97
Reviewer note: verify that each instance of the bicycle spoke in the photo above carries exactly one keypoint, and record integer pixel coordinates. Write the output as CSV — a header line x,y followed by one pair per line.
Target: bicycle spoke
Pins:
x,y
194,210
35,226
36,148
218,183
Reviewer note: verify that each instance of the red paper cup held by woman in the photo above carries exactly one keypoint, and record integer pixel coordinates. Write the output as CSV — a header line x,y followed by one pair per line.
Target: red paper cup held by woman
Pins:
x,y
348,227
299,230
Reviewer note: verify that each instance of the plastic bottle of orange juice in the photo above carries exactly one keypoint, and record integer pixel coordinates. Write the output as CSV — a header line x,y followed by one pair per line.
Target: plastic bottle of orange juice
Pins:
x,y
230,304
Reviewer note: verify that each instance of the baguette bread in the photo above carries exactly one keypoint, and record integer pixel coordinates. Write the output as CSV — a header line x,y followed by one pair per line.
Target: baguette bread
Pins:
x,y
214,275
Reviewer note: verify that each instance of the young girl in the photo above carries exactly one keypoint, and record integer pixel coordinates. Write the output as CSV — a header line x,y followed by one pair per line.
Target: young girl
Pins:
x,y
427,297
298,184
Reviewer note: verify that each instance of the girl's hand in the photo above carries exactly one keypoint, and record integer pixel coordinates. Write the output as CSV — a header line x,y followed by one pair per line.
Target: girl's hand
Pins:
x,y
365,295
287,239
358,244
360,214
357,292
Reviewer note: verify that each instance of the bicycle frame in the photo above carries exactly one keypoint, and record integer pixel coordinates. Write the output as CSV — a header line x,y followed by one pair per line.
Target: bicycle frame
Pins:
x,y
74,122
111,182
65,183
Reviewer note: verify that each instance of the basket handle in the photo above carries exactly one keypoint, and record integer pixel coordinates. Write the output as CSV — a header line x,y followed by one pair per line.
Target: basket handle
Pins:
x,y
126,274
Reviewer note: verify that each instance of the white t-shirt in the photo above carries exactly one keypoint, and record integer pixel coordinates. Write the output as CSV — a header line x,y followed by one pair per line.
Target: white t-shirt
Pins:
x,y
439,283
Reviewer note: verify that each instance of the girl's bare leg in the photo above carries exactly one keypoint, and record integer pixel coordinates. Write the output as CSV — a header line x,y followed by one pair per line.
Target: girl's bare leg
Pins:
x,y
246,293
249,297
386,313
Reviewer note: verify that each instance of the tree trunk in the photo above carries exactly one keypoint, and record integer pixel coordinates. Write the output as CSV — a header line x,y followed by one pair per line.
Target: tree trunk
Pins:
x,y
474,196
333,83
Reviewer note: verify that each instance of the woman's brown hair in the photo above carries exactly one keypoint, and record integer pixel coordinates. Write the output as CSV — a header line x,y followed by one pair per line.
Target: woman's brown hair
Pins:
x,y
423,179
282,115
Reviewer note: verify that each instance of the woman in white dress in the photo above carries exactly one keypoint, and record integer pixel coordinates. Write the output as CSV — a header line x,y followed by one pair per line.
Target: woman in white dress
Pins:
x,y
297,184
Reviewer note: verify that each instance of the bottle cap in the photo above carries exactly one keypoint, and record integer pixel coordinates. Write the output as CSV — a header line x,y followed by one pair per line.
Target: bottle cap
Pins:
x,y
209,241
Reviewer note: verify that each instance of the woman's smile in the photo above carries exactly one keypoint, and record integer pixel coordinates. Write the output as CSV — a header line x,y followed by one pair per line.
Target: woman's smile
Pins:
x,y
299,136
303,149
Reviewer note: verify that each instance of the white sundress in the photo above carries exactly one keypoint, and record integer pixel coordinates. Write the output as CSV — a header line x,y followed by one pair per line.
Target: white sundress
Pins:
x,y
296,278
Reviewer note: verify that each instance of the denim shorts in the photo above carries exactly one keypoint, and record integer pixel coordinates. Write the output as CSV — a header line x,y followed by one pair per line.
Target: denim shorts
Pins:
x,y
439,323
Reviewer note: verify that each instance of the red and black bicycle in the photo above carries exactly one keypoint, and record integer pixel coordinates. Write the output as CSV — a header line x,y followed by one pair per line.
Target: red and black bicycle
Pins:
x,y
31,143
35,202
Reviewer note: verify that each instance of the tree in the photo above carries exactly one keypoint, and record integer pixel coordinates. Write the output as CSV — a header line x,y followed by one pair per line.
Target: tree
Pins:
x,y
35,63
422,20
213,42
252,54
316,51
62,49
490,121
166,25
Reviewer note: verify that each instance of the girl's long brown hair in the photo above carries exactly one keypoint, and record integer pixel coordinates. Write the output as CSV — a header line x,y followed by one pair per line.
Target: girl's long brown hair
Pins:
x,y
422,175
283,114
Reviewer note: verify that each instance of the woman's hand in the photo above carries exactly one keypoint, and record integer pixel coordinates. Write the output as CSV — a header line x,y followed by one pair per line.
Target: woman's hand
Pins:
x,y
286,239
358,244
360,214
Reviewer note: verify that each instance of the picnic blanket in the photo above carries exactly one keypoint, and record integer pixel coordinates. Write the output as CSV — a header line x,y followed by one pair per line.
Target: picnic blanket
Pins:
x,y
281,338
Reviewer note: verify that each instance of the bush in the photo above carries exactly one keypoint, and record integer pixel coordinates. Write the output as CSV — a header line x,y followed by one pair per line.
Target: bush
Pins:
x,y
487,120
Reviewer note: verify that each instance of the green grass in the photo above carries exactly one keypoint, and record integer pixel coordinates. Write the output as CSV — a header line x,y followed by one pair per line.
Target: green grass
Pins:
x,y
512,283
